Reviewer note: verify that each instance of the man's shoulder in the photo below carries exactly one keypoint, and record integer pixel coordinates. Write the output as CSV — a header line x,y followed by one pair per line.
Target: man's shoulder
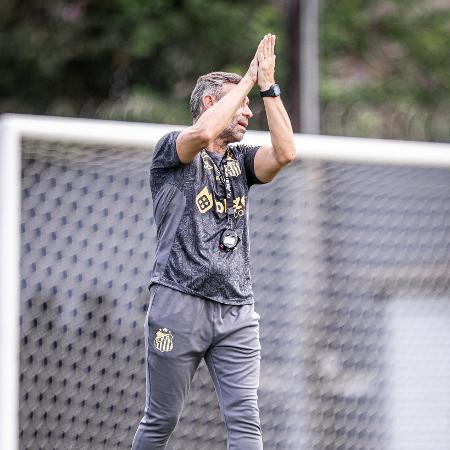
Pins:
x,y
165,154
244,153
240,149
169,138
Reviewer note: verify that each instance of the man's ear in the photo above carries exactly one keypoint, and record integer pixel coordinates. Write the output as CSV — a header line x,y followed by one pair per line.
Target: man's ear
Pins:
x,y
208,101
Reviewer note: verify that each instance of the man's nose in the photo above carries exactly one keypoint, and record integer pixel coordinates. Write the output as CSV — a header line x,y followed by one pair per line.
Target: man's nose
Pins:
x,y
248,112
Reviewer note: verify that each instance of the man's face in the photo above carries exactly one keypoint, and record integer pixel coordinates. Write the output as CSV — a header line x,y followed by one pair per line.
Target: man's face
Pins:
x,y
236,129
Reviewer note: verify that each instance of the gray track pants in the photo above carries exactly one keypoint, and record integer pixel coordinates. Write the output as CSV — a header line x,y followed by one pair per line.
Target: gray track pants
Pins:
x,y
180,330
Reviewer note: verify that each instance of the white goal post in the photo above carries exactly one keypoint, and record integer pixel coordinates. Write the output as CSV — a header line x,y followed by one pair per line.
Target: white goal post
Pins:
x,y
13,128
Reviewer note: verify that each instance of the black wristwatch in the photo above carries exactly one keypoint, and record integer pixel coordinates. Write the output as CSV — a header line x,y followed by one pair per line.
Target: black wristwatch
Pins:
x,y
273,91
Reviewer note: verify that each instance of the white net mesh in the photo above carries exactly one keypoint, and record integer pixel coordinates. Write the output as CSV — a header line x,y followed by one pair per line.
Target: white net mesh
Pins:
x,y
351,272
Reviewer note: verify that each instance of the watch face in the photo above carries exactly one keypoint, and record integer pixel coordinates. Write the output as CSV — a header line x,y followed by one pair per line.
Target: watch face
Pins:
x,y
276,89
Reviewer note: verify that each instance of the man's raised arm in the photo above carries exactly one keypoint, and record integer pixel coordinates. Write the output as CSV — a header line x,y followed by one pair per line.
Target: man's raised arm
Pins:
x,y
270,159
216,116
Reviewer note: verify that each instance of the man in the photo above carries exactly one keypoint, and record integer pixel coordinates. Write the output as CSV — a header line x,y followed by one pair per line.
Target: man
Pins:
x,y
201,301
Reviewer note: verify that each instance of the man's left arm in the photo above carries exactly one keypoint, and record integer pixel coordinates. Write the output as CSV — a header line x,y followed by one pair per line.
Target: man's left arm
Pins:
x,y
270,159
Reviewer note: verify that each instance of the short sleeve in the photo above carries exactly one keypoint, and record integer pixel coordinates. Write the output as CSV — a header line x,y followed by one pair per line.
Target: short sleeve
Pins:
x,y
249,152
165,162
165,155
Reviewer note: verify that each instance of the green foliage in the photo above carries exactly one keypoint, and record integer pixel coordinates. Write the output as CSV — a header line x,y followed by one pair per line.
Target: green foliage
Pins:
x,y
139,59
388,55
385,69
133,59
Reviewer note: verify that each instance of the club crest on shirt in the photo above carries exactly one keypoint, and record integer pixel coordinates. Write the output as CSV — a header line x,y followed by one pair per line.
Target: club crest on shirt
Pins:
x,y
163,340
232,168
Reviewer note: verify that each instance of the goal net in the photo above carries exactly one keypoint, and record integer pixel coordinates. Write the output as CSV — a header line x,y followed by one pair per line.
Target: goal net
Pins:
x,y
350,249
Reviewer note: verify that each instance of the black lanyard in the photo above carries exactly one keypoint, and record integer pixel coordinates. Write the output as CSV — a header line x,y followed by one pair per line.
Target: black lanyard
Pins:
x,y
225,179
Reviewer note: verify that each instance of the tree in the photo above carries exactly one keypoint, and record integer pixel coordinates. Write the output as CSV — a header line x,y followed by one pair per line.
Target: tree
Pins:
x,y
385,68
384,65
124,59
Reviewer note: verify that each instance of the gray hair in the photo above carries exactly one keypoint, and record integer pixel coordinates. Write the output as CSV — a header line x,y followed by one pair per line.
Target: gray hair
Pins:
x,y
210,84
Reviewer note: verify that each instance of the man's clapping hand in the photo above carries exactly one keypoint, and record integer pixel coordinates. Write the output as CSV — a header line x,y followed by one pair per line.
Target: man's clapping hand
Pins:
x,y
262,66
266,62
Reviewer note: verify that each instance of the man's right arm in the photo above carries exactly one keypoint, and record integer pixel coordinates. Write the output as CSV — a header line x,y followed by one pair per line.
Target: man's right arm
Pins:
x,y
216,118
212,122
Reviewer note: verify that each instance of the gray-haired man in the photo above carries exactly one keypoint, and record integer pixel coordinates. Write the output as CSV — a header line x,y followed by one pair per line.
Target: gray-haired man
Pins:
x,y
201,301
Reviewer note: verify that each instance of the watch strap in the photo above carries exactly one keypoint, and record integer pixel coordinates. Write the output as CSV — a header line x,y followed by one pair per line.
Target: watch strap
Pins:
x,y
273,91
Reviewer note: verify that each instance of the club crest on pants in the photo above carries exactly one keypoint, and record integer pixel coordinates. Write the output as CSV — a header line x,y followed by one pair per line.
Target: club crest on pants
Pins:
x,y
163,340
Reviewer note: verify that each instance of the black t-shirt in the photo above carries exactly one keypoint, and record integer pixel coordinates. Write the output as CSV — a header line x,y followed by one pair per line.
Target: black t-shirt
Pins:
x,y
189,202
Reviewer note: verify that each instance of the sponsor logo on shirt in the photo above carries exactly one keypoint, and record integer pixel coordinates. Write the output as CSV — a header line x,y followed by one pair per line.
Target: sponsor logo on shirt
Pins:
x,y
205,201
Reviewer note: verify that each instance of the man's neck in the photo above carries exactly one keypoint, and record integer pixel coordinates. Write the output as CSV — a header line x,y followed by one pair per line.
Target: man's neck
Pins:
x,y
218,146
